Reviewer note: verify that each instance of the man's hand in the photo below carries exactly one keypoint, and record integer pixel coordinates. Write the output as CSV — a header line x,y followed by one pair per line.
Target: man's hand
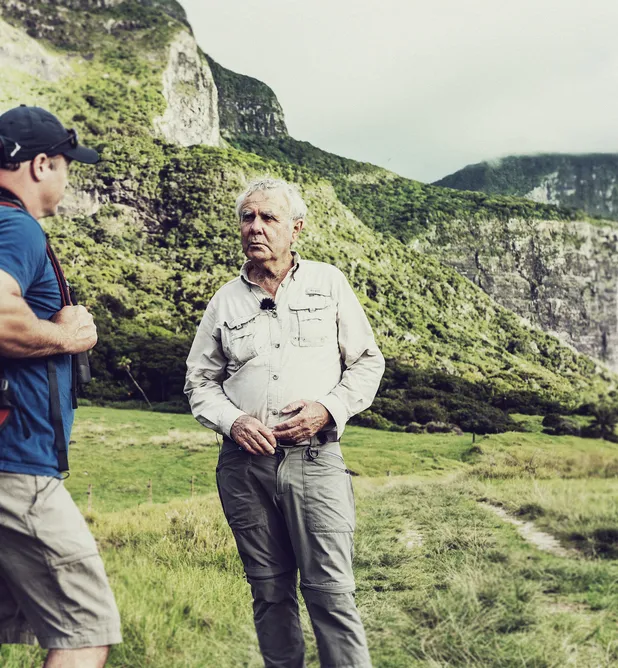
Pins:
x,y
253,436
79,330
310,418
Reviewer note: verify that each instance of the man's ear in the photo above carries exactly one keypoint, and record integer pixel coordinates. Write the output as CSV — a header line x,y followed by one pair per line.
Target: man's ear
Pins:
x,y
296,230
40,167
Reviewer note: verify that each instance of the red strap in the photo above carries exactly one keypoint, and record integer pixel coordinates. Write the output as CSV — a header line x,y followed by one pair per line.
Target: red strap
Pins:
x,y
13,206
5,414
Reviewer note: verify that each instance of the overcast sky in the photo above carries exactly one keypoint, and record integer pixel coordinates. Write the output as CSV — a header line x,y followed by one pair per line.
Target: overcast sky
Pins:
x,y
425,87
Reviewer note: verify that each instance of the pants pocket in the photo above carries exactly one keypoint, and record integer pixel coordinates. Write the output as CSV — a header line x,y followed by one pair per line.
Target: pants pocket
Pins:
x,y
328,495
242,506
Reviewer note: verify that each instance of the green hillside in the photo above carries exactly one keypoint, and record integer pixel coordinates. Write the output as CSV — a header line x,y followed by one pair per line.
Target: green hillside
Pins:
x,y
443,577
588,181
390,203
163,236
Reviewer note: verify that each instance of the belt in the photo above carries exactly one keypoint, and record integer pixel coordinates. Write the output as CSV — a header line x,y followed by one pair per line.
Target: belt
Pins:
x,y
320,438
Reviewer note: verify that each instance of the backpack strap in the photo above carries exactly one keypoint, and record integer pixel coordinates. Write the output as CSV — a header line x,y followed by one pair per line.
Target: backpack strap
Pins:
x,y
56,417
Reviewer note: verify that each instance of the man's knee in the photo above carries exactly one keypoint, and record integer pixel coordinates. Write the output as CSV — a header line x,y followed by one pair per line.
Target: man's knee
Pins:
x,y
275,589
329,600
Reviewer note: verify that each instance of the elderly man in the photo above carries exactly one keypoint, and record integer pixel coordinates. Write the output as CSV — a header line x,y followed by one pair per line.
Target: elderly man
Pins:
x,y
283,357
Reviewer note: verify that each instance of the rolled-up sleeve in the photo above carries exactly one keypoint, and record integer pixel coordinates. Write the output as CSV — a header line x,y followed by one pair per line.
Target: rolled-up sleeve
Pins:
x,y
206,371
363,363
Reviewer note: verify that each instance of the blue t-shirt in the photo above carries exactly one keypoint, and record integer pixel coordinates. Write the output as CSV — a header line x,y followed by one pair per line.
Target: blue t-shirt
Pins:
x,y
27,441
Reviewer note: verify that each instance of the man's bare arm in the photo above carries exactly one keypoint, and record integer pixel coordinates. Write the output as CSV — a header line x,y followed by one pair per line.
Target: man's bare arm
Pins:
x,y
22,334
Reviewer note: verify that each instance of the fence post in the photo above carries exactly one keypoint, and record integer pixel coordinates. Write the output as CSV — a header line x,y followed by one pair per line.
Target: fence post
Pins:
x,y
90,498
150,490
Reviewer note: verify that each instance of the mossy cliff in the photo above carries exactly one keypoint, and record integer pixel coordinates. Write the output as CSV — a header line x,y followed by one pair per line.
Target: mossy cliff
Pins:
x,y
582,181
150,234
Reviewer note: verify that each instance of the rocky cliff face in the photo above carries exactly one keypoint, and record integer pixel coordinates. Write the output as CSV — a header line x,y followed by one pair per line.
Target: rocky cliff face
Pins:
x,y
20,52
203,99
585,182
560,276
192,113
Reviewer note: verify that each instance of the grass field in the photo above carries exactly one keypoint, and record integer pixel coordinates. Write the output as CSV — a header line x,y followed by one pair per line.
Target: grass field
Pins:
x,y
442,581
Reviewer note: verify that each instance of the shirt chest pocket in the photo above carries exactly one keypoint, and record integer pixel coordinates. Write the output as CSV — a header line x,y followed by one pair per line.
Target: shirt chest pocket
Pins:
x,y
238,338
313,321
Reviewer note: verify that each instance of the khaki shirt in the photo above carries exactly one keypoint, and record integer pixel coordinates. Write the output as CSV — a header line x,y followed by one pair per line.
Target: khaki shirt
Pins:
x,y
316,345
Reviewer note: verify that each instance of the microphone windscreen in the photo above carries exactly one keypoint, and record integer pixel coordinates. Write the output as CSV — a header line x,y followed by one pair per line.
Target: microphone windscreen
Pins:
x,y
268,304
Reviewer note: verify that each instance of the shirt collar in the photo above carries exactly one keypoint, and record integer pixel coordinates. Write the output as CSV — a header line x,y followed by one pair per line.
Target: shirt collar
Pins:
x,y
296,261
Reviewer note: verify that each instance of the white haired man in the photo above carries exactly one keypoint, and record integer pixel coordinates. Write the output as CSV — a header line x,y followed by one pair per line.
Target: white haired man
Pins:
x,y
283,357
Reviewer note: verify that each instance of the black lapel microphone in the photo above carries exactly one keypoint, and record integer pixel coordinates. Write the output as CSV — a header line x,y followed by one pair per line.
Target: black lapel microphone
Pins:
x,y
268,304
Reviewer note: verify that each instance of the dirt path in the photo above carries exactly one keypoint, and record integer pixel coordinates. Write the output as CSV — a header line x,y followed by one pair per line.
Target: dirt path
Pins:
x,y
541,540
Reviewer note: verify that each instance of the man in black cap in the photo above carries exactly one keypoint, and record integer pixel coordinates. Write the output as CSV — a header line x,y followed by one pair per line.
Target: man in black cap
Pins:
x,y
53,585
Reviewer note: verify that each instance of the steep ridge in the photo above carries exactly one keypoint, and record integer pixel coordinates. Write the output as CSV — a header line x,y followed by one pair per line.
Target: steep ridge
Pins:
x,y
588,181
246,105
150,234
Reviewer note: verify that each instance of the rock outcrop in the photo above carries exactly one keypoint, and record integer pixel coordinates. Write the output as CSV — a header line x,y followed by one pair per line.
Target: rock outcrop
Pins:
x,y
560,276
192,114
20,52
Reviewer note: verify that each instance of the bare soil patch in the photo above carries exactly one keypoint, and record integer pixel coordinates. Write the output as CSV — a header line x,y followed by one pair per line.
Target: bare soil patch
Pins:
x,y
529,532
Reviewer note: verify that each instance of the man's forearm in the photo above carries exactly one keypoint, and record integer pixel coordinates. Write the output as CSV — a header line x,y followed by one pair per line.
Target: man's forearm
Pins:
x,y
211,407
22,334
357,388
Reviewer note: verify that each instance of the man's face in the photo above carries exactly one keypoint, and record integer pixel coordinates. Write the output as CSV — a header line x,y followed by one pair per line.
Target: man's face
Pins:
x,y
54,184
265,228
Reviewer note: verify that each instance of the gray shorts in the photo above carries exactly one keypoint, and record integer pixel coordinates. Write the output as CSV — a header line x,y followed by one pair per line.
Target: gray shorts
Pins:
x,y
53,586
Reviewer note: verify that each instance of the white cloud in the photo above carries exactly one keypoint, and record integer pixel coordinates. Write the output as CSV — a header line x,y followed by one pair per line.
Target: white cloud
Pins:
x,y
424,88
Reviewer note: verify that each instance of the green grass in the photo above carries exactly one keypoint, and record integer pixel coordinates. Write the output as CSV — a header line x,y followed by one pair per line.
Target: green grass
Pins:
x,y
119,451
441,580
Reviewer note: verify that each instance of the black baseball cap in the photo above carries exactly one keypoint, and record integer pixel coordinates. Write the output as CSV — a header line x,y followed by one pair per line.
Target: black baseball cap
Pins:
x,y
27,131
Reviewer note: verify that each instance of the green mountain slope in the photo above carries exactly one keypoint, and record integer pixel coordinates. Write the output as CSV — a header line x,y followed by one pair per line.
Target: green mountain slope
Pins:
x,y
588,182
150,234
391,203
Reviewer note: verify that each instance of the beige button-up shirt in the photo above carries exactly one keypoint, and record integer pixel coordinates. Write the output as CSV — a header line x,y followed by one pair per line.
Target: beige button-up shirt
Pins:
x,y
316,345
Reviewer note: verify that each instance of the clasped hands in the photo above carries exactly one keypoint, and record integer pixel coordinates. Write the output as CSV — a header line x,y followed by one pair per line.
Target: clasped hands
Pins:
x,y
258,439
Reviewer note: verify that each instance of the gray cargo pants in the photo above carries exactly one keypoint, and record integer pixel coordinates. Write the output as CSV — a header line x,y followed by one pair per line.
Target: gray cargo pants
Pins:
x,y
288,512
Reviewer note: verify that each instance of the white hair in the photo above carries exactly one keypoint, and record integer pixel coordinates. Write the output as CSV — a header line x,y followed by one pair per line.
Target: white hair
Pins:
x,y
298,208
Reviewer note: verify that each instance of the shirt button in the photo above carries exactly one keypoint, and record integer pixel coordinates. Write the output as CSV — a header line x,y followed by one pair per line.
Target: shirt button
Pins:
x,y
274,314
275,377
275,411
277,345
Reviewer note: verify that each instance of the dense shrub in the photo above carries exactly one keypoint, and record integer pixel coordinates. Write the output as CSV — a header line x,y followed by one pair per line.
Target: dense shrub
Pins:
x,y
372,420
438,428
414,428
429,411
557,425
